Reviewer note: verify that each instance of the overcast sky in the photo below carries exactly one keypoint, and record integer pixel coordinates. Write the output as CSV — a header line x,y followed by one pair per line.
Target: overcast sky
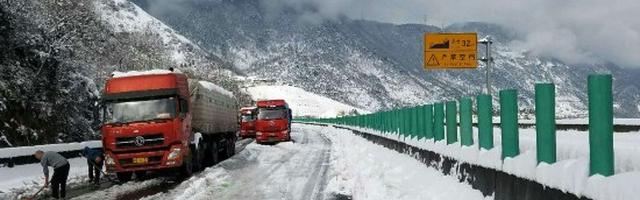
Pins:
x,y
571,30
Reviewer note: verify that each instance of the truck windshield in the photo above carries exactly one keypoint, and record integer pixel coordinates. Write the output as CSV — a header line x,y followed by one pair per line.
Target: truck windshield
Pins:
x,y
272,113
142,110
247,118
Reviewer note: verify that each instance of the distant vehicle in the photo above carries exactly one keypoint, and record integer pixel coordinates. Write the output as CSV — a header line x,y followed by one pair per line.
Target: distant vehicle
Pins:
x,y
273,123
246,121
159,121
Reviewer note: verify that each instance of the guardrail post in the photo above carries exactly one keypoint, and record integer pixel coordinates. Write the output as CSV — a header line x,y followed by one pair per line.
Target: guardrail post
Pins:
x,y
466,131
386,118
485,121
414,122
545,123
396,121
406,122
600,125
452,122
420,121
438,129
509,123
428,113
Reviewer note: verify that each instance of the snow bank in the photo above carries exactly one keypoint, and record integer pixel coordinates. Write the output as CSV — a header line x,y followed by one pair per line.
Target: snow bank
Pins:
x,y
365,170
216,88
118,192
569,174
29,150
26,179
118,74
302,103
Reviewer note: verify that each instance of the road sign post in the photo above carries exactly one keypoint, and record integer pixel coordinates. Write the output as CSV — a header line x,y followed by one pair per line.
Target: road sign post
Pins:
x,y
487,59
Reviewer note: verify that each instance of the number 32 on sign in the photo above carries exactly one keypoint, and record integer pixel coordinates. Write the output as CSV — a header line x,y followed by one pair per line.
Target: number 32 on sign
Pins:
x,y
450,50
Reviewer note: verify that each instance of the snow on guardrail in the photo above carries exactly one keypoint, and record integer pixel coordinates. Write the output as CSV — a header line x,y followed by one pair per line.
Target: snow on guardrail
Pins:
x,y
29,150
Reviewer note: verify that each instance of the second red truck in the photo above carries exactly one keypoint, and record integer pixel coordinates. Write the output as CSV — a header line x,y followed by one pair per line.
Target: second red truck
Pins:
x,y
273,121
246,119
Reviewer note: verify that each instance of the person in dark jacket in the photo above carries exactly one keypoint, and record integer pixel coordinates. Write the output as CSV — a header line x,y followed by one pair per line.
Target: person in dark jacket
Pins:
x,y
60,171
95,160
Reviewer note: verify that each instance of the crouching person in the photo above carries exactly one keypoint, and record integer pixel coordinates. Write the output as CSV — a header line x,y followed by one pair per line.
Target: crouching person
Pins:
x,y
60,167
94,162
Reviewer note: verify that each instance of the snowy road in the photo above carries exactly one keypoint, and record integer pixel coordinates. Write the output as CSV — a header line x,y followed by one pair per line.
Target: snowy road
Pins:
x,y
290,170
322,163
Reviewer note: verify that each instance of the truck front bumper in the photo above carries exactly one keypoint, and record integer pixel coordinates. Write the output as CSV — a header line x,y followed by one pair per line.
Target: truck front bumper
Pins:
x,y
247,133
278,136
143,161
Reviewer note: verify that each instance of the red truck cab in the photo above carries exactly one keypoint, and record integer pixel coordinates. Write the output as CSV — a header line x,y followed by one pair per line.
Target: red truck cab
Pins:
x,y
147,124
247,120
273,122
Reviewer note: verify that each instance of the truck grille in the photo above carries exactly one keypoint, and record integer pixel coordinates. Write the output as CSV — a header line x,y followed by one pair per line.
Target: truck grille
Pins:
x,y
140,141
272,128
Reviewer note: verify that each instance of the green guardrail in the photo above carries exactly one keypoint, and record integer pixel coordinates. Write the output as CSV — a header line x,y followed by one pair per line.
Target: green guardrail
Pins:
x,y
428,122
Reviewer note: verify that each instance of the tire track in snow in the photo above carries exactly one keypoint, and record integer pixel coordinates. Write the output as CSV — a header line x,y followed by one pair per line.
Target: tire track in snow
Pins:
x,y
137,189
288,170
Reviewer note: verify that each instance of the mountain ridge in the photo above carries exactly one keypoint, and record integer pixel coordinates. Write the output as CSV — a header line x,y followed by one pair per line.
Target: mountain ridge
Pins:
x,y
373,65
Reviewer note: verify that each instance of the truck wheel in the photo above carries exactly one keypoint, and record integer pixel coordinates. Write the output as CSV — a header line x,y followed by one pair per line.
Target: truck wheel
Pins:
x,y
198,162
229,149
124,177
186,170
233,148
215,154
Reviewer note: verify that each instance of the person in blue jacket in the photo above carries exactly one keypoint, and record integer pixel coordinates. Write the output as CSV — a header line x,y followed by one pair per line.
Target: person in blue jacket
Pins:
x,y
95,160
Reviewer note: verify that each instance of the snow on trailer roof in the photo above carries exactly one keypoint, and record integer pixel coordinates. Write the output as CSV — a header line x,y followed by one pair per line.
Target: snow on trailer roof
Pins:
x,y
214,87
205,84
118,74
271,102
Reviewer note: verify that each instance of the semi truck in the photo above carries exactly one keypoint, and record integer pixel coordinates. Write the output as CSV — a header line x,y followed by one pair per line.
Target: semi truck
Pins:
x,y
246,120
273,121
160,121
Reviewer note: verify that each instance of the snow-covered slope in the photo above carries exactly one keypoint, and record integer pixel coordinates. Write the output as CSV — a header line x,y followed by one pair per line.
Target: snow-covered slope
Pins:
x,y
125,17
57,55
303,103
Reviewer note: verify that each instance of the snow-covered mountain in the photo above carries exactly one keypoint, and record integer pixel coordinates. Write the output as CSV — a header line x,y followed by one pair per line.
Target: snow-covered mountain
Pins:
x,y
56,55
303,103
372,65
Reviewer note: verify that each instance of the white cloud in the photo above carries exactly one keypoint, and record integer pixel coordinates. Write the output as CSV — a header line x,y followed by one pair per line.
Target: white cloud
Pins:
x,y
571,30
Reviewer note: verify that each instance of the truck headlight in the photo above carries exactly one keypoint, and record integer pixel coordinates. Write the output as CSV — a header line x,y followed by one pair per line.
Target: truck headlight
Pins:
x,y
175,153
109,160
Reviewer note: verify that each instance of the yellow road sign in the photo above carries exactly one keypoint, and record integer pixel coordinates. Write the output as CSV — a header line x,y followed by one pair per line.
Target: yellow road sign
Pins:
x,y
450,50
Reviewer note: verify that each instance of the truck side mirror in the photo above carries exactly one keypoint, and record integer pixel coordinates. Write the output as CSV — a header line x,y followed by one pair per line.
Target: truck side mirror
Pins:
x,y
184,108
